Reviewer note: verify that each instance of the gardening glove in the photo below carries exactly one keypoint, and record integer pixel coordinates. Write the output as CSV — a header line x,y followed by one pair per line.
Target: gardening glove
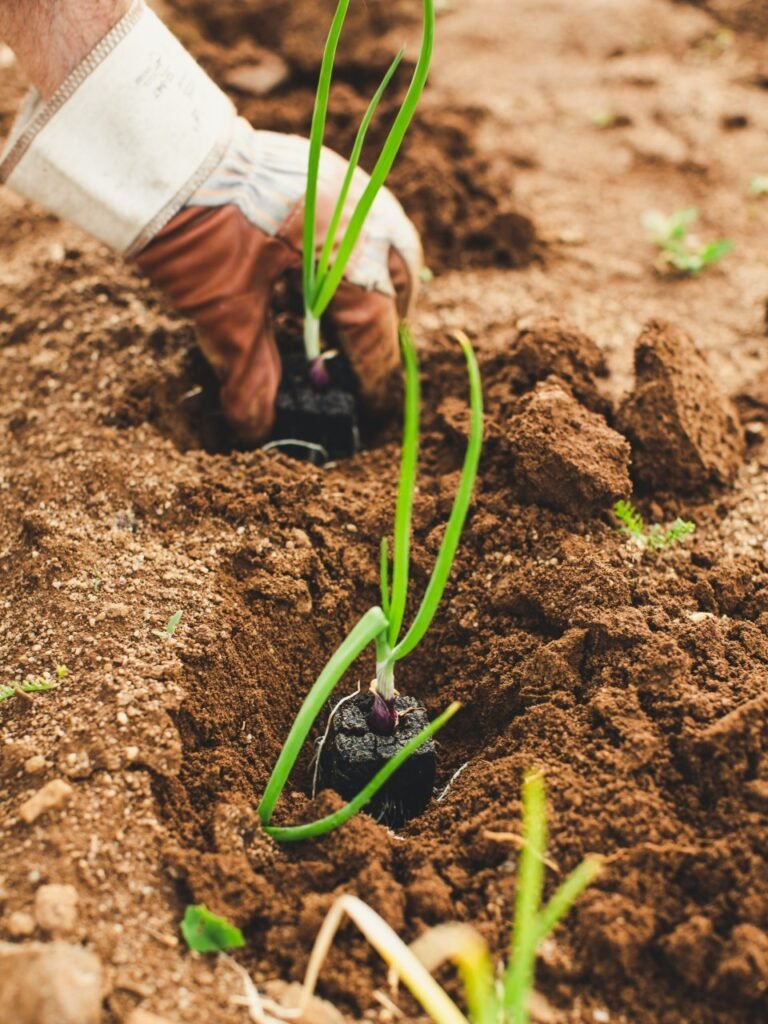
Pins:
x,y
141,149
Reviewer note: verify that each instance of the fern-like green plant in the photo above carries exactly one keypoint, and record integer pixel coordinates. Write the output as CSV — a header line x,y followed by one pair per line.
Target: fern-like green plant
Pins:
x,y
30,684
654,537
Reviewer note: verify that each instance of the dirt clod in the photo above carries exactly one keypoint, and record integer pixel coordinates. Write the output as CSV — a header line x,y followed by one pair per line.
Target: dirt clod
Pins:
x,y
685,434
564,456
20,924
549,347
56,909
50,983
54,794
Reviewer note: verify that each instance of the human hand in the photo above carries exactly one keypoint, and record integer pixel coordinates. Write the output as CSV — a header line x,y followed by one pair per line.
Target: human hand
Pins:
x,y
220,257
140,148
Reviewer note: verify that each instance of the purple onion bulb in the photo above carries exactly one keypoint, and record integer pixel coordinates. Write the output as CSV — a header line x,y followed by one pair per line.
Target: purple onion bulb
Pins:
x,y
318,374
383,716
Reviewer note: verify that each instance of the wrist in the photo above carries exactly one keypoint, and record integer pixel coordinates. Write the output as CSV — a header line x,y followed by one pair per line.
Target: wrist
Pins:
x,y
51,37
126,139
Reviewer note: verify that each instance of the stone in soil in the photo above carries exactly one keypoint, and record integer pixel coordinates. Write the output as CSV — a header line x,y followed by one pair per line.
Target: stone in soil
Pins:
x,y
685,434
352,755
54,794
144,1017
565,456
56,909
49,983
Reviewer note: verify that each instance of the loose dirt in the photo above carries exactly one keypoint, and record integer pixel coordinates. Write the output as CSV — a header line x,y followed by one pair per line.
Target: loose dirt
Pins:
x,y
636,682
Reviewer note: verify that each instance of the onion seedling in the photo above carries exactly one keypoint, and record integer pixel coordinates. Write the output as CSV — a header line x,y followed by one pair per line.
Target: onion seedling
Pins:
x,y
382,625
489,1001
322,276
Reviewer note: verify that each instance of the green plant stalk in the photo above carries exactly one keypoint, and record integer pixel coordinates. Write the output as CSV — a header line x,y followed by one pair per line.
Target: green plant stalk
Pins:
x,y
294,833
354,160
384,575
373,623
519,976
317,131
326,289
404,509
447,553
566,894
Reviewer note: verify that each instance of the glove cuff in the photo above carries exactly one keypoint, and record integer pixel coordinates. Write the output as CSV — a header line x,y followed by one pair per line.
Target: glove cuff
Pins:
x,y
125,141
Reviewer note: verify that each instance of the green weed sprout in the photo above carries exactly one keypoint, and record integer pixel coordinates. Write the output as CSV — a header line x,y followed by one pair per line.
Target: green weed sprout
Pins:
x,y
205,932
382,625
654,537
678,249
488,1001
170,627
758,186
28,685
322,276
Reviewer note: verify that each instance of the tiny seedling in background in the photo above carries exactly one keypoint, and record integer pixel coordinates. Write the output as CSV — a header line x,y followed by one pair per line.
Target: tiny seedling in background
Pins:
x,y
204,932
604,119
170,627
30,684
758,187
654,537
609,118
62,672
680,250
489,1001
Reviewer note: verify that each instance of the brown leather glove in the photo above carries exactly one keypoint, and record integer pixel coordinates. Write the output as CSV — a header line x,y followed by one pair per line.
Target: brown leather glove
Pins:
x,y
220,257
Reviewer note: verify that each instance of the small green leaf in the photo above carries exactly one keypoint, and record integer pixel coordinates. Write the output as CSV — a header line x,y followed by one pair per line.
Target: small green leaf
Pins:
x,y
604,118
204,932
758,187
39,685
62,671
173,622
715,251
6,692
170,627
631,520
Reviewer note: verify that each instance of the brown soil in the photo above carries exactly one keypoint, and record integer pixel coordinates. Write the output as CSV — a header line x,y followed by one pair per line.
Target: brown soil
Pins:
x,y
636,682
746,15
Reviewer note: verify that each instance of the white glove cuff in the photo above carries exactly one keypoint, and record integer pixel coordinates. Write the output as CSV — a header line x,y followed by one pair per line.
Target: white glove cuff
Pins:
x,y
125,141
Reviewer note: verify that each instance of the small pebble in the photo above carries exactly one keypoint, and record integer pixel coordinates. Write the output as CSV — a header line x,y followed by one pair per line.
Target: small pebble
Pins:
x,y
20,924
144,1017
54,794
56,909
50,983
35,764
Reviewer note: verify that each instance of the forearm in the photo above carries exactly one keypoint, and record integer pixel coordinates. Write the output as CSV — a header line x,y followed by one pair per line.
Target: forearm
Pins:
x,y
51,37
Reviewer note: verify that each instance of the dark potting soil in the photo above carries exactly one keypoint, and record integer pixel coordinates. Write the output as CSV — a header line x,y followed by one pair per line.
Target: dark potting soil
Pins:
x,y
323,422
352,755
